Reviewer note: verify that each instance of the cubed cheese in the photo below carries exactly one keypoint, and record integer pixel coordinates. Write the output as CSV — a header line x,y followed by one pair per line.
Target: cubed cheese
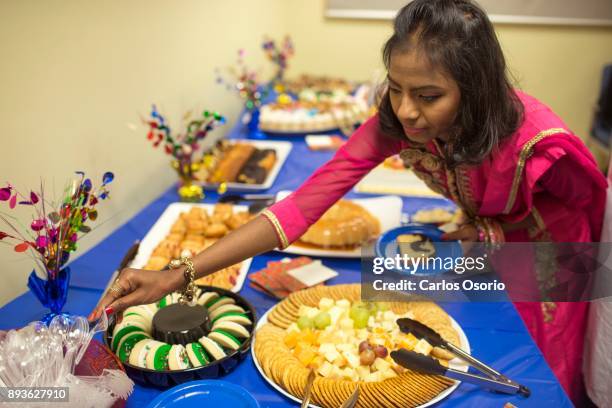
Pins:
x,y
390,373
293,327
348,373
327,348
331,356
335,313
352,358
312,312
343,303
381,365
377,341
325,369
342,347
372,377
325,303
346,324
337,372
423,347
363,371
389,316
388,326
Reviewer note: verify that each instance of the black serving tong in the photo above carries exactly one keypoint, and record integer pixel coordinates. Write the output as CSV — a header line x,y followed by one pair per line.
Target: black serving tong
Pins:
x,y
428,365
257,202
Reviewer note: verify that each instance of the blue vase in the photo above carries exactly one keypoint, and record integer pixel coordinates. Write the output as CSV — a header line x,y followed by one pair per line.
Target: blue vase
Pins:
x,y
253,124
51,293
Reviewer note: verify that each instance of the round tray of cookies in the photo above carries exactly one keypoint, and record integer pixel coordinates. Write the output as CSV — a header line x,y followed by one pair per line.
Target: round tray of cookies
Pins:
x,y
167,343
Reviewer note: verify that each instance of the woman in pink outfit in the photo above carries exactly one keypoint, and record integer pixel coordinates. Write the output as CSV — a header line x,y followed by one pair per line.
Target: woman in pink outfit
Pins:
x,y
506,159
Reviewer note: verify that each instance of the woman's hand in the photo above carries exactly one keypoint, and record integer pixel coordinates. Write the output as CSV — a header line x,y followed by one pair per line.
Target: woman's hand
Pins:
x,y
466,233
137,287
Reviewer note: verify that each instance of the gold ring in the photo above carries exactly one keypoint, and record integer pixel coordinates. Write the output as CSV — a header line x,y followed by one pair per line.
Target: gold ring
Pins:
x,y
116,289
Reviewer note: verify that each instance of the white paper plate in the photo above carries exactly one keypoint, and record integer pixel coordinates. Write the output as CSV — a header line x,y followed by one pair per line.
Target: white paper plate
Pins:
x,y
387,209
454,363
282,152
162,226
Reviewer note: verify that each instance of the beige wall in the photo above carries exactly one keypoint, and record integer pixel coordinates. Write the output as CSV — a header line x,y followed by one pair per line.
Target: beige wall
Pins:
x,y
75,75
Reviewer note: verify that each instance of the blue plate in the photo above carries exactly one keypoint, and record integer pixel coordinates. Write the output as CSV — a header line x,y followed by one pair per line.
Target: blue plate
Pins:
x,y
205,393
387,246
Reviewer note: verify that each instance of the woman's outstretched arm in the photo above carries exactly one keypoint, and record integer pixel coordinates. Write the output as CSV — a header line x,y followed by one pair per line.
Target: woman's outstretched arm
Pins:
x,y
144,286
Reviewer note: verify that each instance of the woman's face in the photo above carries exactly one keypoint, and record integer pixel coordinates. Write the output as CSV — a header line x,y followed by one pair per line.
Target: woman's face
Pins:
x,y
424,99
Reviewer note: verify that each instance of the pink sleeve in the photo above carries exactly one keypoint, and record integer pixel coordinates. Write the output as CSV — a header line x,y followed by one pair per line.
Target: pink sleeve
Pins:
x,y
366,148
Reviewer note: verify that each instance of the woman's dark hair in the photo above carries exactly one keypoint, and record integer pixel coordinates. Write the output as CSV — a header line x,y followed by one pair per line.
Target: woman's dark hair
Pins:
x,y
457,36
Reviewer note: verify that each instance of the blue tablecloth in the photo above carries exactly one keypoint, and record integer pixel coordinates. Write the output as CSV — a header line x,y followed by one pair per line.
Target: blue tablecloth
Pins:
x,y
496,332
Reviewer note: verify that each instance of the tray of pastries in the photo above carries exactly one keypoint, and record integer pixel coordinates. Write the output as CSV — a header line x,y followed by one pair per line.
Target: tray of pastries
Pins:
x,y
347,226
167,343
244,165
347,342
194,227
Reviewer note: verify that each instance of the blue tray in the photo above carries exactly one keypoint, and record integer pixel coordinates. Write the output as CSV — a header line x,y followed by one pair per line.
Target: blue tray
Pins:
x,y
205,393
387,246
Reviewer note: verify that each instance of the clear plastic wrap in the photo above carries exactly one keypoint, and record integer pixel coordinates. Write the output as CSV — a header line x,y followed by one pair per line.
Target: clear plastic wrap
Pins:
x,y
46,356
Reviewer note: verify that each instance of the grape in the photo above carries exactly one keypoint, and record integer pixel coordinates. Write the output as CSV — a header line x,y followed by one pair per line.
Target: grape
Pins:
x,y
380,351
367,357
360,318
364,345
322,320
305,322
356,309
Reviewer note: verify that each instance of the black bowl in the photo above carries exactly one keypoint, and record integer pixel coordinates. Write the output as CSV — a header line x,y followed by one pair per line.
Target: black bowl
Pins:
x,y
214,369
180,324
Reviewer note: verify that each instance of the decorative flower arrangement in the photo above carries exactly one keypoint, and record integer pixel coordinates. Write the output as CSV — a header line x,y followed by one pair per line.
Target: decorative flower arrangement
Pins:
x,y
53,232
184,147
244,80
279,56
251,88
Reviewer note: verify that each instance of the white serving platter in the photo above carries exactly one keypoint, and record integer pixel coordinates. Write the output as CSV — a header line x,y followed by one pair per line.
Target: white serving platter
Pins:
x,y
454,363
162,227
282,149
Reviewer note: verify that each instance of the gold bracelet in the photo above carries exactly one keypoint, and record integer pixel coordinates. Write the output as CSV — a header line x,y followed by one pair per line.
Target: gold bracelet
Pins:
x,y
188,292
